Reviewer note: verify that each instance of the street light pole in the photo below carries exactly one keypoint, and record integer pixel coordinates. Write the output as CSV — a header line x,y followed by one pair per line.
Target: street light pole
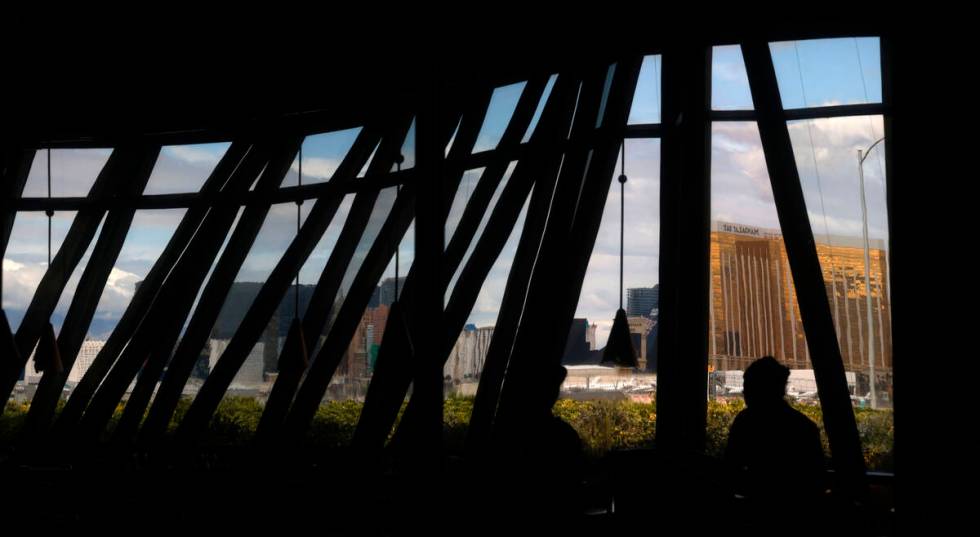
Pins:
x,y
862,155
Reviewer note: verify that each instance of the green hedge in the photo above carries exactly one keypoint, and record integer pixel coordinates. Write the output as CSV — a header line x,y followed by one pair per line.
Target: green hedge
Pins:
x,y
603,425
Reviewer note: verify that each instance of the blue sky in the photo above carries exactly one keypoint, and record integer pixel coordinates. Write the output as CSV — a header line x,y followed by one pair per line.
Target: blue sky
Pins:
x,y
810,73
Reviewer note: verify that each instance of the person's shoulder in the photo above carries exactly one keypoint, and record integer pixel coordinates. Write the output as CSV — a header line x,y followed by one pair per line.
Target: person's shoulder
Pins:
x,y
744,417
562,427
563,433
801,420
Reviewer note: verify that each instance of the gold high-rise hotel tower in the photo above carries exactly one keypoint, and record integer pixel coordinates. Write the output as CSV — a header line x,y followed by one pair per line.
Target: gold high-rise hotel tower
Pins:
x,y
753,301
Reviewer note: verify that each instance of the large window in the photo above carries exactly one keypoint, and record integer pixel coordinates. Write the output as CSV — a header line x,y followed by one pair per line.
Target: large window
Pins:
x,y
840,160
588,376
831,92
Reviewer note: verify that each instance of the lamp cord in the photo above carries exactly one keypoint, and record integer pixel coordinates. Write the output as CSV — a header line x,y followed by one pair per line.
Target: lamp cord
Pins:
x,y
49,212
398,248
622,218
299,203
823,208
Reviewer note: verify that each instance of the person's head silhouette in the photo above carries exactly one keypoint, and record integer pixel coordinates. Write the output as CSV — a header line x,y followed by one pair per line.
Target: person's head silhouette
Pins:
x,y
765,382
551,386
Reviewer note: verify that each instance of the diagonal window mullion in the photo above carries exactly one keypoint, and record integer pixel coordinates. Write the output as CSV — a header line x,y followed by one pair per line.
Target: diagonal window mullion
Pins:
x,y
239,161
86,298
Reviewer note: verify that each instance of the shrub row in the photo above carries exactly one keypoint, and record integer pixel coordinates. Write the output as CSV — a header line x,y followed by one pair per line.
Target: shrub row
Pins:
x,y
604,426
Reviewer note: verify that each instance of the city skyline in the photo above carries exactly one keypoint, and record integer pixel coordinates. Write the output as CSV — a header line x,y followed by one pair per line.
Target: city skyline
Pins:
x,y
832,72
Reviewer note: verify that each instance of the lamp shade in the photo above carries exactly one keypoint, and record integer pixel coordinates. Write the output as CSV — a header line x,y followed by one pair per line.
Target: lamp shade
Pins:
x,y
7,344
294,358
619,349
47,357
396,316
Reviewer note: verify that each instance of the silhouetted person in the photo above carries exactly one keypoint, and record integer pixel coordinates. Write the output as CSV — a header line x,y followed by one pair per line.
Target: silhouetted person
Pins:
x,y
540,462
775,454
554,447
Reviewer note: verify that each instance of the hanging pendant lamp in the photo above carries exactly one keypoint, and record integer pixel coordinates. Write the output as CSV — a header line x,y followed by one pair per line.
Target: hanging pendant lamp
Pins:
x,y
7,344
619,349
47,357
295,357
396,313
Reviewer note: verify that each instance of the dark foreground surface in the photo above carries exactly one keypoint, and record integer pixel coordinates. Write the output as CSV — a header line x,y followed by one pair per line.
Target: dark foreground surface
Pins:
x,y
342,493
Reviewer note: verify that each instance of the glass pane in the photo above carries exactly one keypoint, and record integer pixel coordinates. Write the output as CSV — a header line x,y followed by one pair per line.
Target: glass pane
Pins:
x,y
467,183
386,292
503,102
310,274
334,422
452,138
207,277
605,95
646,99
148,236
367,163
277,232
753,301
57,319
202,367
729,81
26,260
353,375
754,309
578,96
479,230
464,365
379,213
408,150
184,168
313,268
825,72
599,300
24,265
855,270
540,109
73,172
348,386
322,153
487,306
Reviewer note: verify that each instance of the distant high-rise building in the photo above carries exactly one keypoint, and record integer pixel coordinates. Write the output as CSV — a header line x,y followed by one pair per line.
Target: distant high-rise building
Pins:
x,y
236,305
252,372
590,337
640,328
86,355
753,300
468,355
358,361
642,301
384,294
360,357
580,347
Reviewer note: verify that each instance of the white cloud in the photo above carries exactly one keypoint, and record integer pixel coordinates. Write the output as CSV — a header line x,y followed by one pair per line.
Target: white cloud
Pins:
x,y
204,154
320,168
741,190
21,280
73,171
122,282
